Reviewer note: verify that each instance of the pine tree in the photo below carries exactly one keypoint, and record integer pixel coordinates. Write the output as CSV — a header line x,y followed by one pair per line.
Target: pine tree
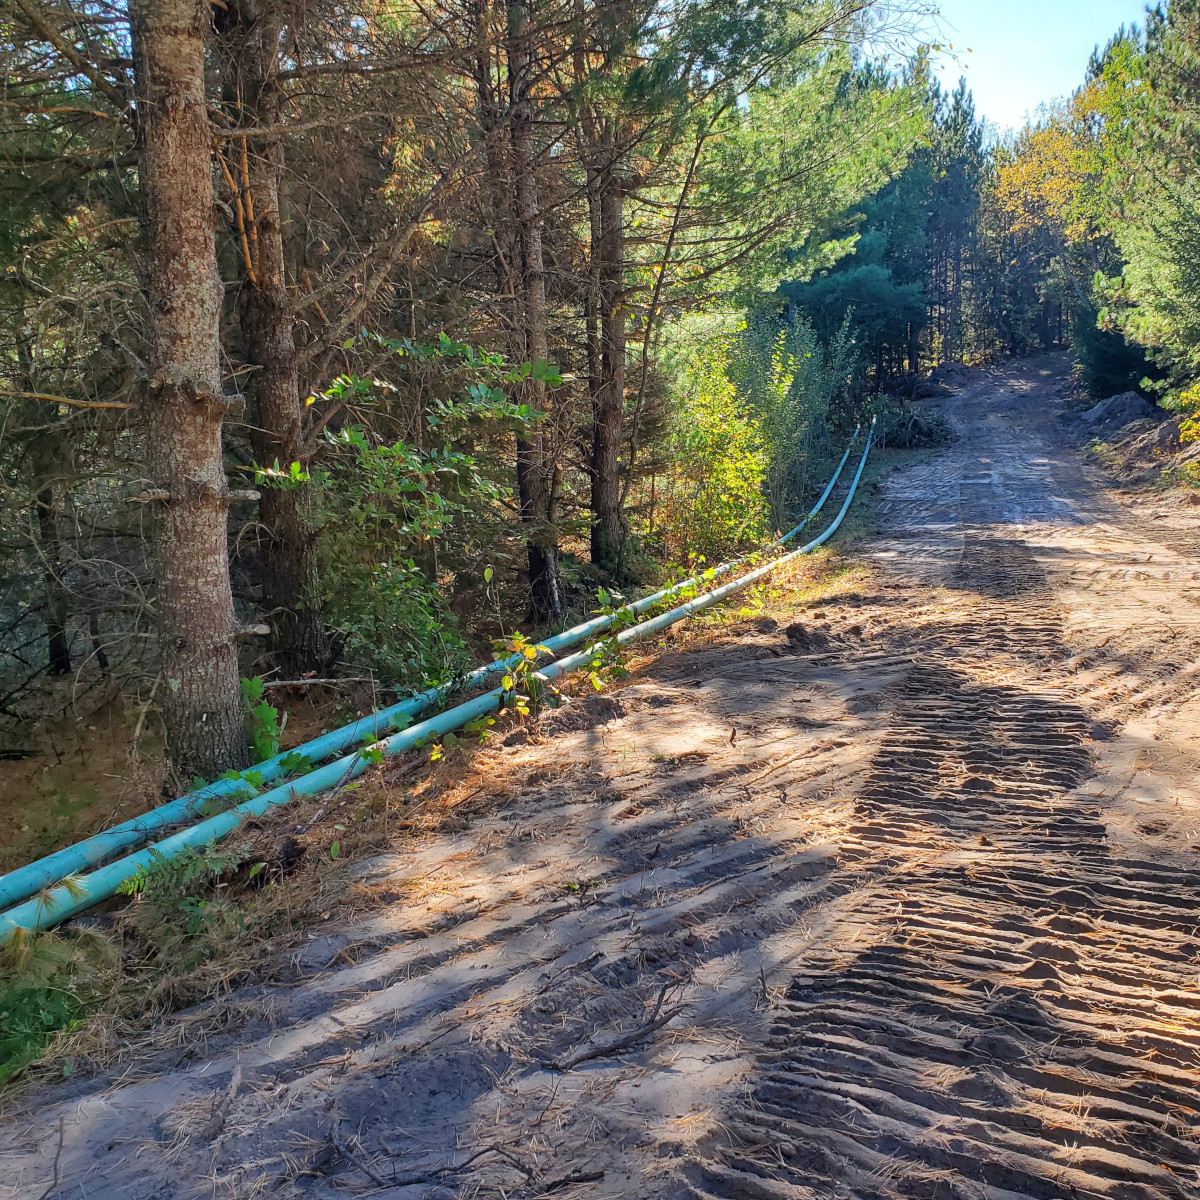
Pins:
x,y
184,402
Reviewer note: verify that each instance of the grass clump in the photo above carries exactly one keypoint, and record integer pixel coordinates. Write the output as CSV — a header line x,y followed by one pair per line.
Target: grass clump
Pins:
x,y
48,986
181,912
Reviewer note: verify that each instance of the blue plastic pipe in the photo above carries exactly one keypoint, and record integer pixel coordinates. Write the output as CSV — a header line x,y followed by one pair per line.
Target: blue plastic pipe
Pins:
x,y
84,891
29,880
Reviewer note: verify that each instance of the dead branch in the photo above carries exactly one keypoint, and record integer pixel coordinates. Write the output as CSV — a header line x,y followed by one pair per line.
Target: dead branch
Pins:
x,y
43,29
57,1158
239,211
279,683
657,1020
437,1172
48,398
340,1145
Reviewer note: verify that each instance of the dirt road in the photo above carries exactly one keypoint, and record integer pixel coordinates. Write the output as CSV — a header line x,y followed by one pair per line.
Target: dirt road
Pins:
x,y
891,895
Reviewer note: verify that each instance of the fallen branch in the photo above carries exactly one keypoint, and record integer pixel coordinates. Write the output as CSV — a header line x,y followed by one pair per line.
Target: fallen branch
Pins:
x,y
436,1173
220,1108
552,1185
57,1159
351,1157
278,683
657,1020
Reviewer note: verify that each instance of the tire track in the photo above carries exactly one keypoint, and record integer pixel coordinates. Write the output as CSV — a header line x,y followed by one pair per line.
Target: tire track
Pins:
x,y
1023,1021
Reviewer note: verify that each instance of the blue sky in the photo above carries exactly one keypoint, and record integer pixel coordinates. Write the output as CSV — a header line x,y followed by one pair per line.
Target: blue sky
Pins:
x,y
1025,52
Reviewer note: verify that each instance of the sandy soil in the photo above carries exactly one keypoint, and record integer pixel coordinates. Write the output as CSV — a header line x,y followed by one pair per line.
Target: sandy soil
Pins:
x,y
894,896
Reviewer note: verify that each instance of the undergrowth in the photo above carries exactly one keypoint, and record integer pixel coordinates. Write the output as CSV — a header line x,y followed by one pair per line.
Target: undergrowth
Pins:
x,y
1105,454
1151,480
49,985
1188,475
182,910
193,928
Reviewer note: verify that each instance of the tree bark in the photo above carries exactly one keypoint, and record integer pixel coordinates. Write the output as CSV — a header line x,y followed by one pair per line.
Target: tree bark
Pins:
x,y
58,643
183,406
535,459
954,349
45,520
609,531
287,547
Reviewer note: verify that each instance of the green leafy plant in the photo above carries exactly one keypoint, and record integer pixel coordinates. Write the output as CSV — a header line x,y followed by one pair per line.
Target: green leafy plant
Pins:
x,y
480,727
523,690
372,753
581,887
608,654
248,783
262,720
295,763
291,476
607,663
384,508
29,1017
376,503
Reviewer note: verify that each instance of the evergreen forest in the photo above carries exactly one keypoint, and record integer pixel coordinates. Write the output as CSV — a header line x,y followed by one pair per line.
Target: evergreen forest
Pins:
x,y
333,332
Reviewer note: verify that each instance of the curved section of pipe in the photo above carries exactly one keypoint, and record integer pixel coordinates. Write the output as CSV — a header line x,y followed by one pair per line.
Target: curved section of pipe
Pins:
x,y
820,504
84,891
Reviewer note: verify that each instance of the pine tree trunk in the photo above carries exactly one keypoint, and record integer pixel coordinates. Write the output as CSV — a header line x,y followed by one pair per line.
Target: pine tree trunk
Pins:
x,y
183,406
609,532
591,304
954,350
45,521
287,547
58,644
535,460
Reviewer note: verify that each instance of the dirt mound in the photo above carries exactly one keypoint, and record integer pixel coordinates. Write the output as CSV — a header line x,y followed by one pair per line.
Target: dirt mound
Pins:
x,y
1117,412
1147,451
953,375
1147,441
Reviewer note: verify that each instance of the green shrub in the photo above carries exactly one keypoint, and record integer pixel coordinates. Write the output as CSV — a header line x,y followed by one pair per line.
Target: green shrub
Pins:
x,y
714,502
381,506
752,405
788,378
29,1017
